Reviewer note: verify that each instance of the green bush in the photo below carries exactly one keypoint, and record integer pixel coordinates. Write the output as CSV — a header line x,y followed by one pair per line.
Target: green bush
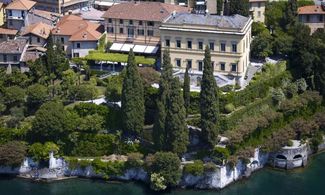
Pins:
x,y
108,169
135,160
210,167
229,108
227,88
196,168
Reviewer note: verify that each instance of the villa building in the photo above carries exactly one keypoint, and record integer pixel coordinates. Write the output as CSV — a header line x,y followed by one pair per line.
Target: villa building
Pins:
x,y
61,6
228,37
136,25
17,13
77,35
37,34
257,10
312,16
7,34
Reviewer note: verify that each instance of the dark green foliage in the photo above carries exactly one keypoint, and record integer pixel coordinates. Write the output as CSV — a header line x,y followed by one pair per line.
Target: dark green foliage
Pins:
x,y
240,7
209,105
132,99
177,137
108,169
51,122
14,96
196,168
262,45
290,16
114,88
159,131
37,94
12,153
135,160
167,165
186,91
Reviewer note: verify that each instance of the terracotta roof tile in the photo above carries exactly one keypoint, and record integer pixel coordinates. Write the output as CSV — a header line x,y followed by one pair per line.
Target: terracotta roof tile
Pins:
x,y
147,11
78,29
39,29
47,15
21,5
311,9
5,31
13,46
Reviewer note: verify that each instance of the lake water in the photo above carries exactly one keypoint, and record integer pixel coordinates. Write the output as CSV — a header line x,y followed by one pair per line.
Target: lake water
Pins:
x,y
308,181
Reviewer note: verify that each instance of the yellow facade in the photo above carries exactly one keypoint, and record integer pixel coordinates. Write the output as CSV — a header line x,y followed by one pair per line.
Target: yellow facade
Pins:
x,y
2,15
230,48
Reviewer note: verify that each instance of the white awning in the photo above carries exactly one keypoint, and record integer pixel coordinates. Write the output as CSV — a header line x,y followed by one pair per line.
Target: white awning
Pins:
x,y
127,47
200,3
105,3
139,48
116,46
151,49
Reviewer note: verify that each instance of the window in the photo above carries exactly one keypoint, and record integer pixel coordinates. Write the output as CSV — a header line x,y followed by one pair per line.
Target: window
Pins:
x,y
320,18
189,64
38,40
200,45
200,65
234,47
78,45
212,65
150,32
1,36
233,67
259,14
178,62
121,30
167,43
110,29
110,20
22,14
189,44
63,48
307,18
62,39
178,44
140,23
140,32
10,12
15,58
223,47
121,21
5,58
150,23
259,4
130,22
76,55
211,45
222,66
10,22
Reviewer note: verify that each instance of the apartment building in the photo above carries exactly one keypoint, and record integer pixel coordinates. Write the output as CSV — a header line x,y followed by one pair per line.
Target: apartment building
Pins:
x,y
136,24
61,6
7,34
37,33
228,37
17,13
312,16
77,35
257,10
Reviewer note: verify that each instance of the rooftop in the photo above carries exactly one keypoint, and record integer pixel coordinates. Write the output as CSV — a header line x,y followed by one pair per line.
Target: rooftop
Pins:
x,y
21,5
13,46
52,16
311,9
5,31
39,29
147,11
78,29
230,22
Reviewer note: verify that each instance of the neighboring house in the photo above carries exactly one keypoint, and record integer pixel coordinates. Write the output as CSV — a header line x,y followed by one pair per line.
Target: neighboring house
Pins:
x,y
2,14
257,10
36,16
136,24
76,35
12,52
312,16
17,13
7,34
61,6
37,33
228,37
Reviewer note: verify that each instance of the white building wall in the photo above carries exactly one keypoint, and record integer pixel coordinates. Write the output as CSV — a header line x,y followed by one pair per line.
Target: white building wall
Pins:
x,y
85,47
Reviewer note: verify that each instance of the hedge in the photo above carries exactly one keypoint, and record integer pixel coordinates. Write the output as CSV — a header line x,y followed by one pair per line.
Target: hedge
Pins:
x,y
118,57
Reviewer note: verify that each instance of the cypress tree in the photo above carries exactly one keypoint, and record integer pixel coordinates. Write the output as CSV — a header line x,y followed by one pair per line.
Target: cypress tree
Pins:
x,y
132,99
208,102
177,131
186,91
159,134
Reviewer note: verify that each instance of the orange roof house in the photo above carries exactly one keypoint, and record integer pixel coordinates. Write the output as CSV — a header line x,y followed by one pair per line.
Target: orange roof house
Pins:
x,y
21,5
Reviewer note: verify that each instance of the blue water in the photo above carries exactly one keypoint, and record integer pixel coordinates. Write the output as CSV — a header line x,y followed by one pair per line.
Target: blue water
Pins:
x,y
310,180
